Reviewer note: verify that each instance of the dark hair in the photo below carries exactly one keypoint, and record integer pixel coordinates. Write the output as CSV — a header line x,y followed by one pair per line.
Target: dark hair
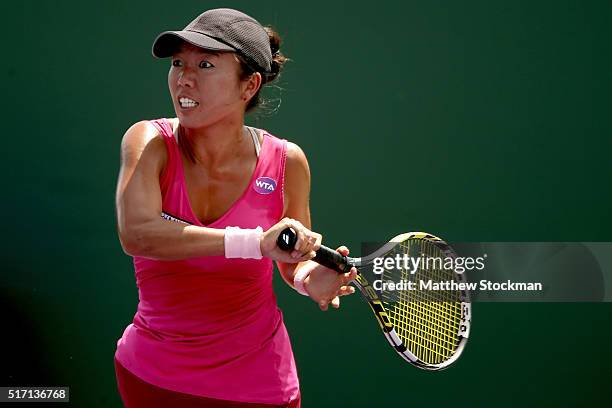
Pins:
x,y
249,68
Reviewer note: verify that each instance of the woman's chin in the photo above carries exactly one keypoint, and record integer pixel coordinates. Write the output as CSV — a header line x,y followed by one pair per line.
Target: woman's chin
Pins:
x,y
189,119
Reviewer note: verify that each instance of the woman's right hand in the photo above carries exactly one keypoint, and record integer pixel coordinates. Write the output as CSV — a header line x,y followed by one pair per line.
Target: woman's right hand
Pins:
x,y
308,242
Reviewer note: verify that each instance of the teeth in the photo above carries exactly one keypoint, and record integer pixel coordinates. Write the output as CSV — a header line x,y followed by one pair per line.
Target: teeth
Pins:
x,y
188,103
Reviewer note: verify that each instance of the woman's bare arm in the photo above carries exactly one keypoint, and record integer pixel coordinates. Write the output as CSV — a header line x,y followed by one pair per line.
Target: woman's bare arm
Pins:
x,y
324,285
297,195
141,229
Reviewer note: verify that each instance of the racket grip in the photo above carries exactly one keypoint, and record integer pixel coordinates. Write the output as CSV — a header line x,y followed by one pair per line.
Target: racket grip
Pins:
x,y
332,259
324,256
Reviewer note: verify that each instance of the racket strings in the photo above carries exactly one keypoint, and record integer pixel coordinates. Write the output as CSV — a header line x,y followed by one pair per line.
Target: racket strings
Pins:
x,y
427,321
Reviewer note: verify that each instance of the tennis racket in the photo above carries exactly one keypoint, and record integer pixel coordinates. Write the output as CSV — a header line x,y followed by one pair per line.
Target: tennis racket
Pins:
x,y
428,328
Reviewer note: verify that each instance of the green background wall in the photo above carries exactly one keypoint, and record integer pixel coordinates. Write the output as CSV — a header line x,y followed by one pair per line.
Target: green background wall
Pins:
x,y
477,121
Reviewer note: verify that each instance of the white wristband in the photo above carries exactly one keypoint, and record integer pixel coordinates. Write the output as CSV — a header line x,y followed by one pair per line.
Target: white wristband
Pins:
x,y
301,275
243,243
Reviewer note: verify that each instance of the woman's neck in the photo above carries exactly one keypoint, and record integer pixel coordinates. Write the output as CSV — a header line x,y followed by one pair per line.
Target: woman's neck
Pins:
x,y
216,144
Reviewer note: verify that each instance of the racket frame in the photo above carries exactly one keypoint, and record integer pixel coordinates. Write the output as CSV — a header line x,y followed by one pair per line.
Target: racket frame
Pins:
x,y
379,310
342,264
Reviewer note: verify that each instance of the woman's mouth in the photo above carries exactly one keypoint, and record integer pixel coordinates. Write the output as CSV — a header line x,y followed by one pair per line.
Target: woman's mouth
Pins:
x,y
187,103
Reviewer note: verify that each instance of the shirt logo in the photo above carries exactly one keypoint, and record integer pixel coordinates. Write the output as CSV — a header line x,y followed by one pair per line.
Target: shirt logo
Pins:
x,y
264,185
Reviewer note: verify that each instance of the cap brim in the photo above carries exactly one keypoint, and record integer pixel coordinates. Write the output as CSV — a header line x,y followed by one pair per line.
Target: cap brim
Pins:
x,y
166,43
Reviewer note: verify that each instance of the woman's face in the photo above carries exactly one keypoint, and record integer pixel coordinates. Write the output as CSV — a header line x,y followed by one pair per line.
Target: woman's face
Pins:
x,y
205,86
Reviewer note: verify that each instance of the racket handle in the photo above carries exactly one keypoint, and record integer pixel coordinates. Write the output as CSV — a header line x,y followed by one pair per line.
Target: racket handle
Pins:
x,y
325,256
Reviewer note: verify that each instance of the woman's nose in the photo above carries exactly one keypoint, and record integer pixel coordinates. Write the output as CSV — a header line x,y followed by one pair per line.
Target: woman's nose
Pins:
x,y
186,78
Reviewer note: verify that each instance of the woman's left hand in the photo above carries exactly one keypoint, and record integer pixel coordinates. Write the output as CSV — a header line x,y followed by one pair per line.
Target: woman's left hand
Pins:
x,y
325,285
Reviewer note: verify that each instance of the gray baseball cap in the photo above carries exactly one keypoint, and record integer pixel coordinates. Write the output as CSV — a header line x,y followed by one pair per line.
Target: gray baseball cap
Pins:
x,y
221,29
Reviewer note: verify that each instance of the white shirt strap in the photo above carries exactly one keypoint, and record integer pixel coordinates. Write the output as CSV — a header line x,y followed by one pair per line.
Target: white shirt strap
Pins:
x,y
255,139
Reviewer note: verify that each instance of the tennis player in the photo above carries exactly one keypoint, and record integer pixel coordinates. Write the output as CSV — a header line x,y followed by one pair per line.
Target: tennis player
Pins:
x,y
201,200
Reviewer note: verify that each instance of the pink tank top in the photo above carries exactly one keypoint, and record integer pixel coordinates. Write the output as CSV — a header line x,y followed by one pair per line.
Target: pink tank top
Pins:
x,y
210,326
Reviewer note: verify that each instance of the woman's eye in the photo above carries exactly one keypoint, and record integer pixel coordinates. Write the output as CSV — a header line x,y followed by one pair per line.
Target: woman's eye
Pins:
x,y
205,64
176,63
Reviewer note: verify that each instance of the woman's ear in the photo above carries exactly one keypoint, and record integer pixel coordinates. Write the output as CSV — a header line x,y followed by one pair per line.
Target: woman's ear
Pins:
x,y
251,86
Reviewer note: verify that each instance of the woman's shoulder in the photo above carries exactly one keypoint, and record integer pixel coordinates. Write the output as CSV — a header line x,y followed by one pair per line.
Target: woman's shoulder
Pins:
x,y
296,180
153,130
296,163
293,150
144,130
143,140
295,153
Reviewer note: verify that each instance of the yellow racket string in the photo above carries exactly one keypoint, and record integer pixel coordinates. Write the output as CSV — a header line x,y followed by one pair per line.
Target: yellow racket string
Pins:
x,y
427,321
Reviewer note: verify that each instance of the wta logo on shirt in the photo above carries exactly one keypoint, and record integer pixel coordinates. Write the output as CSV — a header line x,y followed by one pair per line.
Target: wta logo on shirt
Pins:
x,y
264,185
